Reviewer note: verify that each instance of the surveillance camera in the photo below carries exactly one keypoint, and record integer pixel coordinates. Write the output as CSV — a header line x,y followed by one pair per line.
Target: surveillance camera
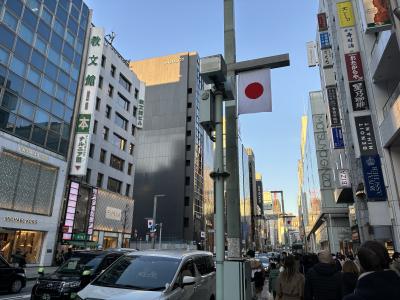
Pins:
x,y
396,12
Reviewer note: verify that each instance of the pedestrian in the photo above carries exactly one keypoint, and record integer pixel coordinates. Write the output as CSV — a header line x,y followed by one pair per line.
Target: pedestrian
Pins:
x,y
349,277
18,259
290,283
257,271
395,265
376,281
273,276
323,280
68,255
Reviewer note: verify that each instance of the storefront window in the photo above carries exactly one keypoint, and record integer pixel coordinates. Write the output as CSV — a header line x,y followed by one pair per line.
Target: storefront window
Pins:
x,y
27,243
110,242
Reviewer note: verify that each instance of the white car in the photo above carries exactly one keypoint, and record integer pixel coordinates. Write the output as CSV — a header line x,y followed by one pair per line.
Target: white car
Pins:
x,y
156,274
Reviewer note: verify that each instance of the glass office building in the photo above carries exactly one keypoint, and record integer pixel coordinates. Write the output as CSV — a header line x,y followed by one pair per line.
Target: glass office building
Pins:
x,y
41,47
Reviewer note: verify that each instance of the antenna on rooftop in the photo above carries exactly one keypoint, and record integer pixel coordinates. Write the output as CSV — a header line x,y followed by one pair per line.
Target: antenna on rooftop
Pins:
x,y
111,36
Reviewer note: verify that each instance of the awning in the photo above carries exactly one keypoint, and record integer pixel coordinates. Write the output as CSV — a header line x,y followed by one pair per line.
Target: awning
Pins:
x,y
344,196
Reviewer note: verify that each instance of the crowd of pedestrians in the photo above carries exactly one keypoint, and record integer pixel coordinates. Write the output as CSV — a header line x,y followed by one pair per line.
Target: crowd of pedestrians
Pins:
x,y
370,275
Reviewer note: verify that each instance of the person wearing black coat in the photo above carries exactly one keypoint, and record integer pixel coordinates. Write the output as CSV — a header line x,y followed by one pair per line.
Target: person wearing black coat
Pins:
x,y
323,281
349,277
376,282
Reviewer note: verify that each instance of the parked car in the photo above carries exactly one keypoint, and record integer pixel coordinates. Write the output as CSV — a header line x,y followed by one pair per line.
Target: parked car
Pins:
x,y
12,279
156,274
73,275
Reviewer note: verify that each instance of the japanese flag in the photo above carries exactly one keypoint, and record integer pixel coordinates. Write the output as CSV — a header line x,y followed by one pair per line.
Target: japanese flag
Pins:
x,y
254,91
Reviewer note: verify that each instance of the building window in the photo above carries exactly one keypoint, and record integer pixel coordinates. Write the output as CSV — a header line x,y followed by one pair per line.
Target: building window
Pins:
x,y
100,82
105,133
116,162
95,127
120,121
103,154
112,71
122,102
133,129
99,181
188,119
189,105
91,150
131,147
188,133
98,102
134,111
187,162
124,82
88,175
119,142
186,222
110,90
188,147
187,199
103,61
189,90
114,185
187,180
130,168
127,190
136,93
108,111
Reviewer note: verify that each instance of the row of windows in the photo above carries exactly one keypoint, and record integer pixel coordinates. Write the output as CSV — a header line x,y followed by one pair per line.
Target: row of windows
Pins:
x,y
113,185
116,140
122,79
115,161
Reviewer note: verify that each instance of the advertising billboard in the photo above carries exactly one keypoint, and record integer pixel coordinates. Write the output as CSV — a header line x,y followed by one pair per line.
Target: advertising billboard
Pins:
x,y
373,177
358,95
337,136
377,15
365,134
354,66
345,14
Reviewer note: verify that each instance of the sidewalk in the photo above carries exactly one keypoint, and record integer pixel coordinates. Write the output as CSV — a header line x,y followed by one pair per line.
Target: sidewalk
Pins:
x,y
32,272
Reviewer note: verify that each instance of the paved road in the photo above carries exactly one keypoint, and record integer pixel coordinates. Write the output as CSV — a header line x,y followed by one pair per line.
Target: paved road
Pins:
x,y
25,293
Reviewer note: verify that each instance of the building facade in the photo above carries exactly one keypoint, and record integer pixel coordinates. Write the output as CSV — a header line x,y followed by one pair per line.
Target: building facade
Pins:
x,y
170,150
103,164
41,49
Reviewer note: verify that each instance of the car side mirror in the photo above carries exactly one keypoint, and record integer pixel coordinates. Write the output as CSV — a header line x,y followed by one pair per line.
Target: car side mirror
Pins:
x,y
86,273
188,280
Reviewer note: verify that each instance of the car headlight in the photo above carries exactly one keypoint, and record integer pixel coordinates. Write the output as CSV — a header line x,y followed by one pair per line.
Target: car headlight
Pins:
x,y
72,284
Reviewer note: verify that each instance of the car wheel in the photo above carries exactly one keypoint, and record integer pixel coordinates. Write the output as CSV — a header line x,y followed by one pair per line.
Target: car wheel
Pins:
x,y
16,286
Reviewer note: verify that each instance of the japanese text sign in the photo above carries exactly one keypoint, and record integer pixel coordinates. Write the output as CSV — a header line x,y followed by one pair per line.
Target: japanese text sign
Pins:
x,y
354,66
333,107
345,13
358,94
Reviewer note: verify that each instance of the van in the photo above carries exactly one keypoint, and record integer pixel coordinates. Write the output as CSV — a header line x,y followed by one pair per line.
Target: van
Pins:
x,y
156,274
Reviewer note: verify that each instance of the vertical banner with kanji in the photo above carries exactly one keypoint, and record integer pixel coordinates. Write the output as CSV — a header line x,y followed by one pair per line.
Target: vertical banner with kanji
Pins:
x,y
85,121
140,114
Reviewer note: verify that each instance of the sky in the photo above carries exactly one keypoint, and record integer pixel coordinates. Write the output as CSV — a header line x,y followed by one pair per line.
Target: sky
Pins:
x,y
150,28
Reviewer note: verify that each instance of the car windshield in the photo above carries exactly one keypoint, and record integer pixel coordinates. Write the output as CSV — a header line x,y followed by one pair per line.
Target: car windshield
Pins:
x,y
264,259
140,272
80,263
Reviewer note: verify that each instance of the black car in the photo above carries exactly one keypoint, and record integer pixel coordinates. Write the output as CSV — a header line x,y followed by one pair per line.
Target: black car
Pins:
x,y
73,275
12,279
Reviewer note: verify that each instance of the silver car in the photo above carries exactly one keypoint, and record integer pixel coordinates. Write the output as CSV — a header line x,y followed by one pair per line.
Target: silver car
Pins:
x,y
156,274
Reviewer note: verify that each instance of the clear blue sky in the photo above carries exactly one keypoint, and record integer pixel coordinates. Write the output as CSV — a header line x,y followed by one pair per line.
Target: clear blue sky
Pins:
x,y
263,27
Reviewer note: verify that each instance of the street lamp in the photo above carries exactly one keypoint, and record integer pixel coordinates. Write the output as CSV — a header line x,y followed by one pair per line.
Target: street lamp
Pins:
x,y
153,229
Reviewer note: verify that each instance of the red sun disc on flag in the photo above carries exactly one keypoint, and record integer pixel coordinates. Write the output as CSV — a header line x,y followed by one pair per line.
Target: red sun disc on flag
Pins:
x,y
254,90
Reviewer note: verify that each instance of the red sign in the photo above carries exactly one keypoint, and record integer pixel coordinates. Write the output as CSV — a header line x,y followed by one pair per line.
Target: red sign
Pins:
x,y
322,22
354,66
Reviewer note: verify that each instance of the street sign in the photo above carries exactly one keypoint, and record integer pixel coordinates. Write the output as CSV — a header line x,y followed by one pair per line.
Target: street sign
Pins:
x,y
150,223
202,234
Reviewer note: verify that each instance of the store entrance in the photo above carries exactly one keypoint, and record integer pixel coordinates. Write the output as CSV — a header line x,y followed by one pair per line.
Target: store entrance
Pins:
x,y
24,242
110,242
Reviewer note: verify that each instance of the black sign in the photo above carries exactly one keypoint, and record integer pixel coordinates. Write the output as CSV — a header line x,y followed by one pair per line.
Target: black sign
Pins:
x,y
333,106
359,97
366,136
373,177
260,200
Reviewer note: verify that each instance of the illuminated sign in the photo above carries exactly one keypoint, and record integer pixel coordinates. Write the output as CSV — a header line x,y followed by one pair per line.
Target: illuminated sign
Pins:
x,y
92,211
71,207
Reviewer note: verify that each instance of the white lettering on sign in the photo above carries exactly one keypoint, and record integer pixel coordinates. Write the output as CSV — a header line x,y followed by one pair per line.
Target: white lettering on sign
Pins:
x,y
20,220
174,61
33,153
344,178
113,213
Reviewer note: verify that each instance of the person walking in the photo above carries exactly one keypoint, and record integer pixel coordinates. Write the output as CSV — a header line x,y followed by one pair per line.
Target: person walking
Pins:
x,y
290,282
349,277
273,276
323,280
377,281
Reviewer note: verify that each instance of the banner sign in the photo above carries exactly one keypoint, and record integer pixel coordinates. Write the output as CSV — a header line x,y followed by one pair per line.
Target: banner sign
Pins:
x,y
259,189
70,213
93,202
333,107
377,15
365,134
327,58
373,177
350,41
80,154
354,66
322,22
113,213
311,54
324,40
358,94
337,136
344,178
345,13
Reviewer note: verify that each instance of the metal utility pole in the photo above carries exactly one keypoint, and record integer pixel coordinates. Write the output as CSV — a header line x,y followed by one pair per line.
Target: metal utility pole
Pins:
x,y
153,229
159,239
231,136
